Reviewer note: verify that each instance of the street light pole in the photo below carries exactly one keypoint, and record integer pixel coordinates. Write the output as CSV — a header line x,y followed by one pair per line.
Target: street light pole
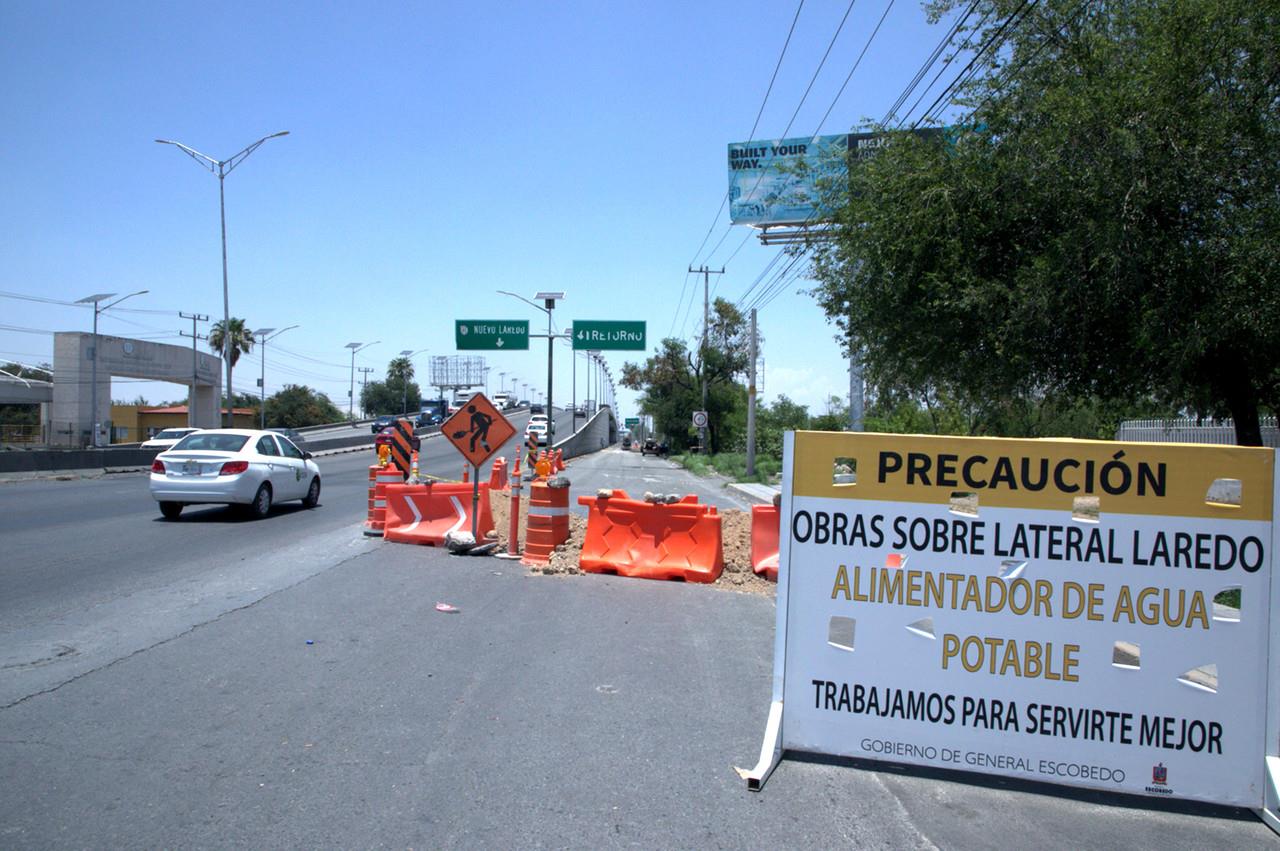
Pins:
x,y
404,385
261,336
220,169
351,394
96,299
549,300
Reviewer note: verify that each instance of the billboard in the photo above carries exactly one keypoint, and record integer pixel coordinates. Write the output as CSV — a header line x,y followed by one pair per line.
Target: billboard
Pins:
x,y
1086,613
776,182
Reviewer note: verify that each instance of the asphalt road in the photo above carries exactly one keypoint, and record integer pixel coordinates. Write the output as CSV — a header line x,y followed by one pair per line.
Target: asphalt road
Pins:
x,y
288,683
92,573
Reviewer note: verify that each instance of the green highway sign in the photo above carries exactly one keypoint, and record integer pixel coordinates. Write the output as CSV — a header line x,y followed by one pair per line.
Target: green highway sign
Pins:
x,y
631,422
496,334
607,334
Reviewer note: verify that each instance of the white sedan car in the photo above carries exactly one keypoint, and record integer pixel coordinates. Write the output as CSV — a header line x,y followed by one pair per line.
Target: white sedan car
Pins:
x,y
538,431
233,466
167,438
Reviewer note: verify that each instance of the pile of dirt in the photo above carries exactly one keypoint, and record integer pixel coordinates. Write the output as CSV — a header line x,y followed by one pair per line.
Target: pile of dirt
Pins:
x,y
735,533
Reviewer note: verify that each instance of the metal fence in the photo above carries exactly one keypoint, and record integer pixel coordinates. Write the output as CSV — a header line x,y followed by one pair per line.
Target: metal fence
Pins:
x,y
1191,430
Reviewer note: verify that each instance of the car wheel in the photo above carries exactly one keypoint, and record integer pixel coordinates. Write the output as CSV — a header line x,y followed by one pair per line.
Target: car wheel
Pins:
x,y
312,499
261,505
170,510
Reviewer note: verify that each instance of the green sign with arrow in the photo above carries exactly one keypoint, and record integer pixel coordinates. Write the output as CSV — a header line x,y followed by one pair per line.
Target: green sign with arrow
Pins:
x,y
491,334
605,334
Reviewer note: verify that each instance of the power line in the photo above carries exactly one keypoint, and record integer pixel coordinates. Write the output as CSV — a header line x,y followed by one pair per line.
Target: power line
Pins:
x,y
856,63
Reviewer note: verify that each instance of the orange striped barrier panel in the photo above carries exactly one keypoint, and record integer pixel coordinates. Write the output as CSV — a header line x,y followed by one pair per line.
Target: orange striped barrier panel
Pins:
x,y
425,514
548,524
379,477
630,537
764,541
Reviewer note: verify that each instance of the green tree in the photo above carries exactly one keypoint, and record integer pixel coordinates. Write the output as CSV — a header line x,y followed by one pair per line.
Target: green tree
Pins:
x,y
296,406
1107,232
230,340
670,382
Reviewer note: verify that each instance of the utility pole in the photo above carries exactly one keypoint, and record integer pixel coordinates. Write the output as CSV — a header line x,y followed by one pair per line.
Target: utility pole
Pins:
x,y
702,352
751,401
855,389
195,372
364,382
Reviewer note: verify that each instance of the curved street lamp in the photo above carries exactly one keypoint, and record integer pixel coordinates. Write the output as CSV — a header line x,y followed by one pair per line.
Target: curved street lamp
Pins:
x,y
262,335
404,395
220,169
351,394
96,299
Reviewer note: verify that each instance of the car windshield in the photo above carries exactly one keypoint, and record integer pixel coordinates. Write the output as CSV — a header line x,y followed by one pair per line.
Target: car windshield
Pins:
x,y
171,434
215,442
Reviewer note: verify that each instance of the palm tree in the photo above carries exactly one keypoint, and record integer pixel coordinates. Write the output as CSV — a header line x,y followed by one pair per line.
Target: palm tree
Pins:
x,y
239,340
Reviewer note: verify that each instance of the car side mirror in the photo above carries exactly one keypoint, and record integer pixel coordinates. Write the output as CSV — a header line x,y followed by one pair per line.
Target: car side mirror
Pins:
x,y
306,456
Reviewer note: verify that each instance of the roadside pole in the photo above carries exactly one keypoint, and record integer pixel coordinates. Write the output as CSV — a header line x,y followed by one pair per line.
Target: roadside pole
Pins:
x,y
475,503
751,401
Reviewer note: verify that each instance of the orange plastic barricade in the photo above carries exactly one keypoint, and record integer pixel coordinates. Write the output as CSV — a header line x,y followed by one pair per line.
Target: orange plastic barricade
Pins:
x,y
764,541
379,477
424,514
498,475
548,522
631,537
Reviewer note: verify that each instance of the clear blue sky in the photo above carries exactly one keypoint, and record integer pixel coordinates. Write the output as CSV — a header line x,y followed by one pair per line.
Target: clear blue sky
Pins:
x,y
437,153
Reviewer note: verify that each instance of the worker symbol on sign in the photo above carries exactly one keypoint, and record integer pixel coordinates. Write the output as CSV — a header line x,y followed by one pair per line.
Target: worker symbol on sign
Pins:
x,y
477,430
480,422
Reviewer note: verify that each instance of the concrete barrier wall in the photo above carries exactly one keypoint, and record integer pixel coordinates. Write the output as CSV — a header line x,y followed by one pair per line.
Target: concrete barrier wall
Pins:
x,y
52,460
598,432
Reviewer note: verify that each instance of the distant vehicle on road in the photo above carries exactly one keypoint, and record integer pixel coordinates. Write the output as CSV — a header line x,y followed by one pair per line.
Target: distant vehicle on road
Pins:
x,y
233,466
167,438
579,411
382,422
434,406
298,440
537,429
653,446
535,408
503,401
626,442
428,418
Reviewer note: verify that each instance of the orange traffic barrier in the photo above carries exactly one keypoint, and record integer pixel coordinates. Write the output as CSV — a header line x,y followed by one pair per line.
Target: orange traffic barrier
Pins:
x,y
764,541
425,514
498,475
379,477
631,537
548,524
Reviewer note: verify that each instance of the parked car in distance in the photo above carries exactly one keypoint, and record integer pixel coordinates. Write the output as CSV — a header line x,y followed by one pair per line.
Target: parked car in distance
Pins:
x,y
382,422
298,440
167,438
655,447
233,466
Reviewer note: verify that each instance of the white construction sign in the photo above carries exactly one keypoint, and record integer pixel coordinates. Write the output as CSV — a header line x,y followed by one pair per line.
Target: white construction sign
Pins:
x,y
1087,613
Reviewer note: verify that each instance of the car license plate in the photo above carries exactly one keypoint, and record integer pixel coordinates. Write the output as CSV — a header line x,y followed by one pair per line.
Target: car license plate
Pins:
x,y
191,468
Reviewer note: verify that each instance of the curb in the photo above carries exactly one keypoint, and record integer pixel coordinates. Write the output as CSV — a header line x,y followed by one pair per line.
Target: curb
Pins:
x,y
754,493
